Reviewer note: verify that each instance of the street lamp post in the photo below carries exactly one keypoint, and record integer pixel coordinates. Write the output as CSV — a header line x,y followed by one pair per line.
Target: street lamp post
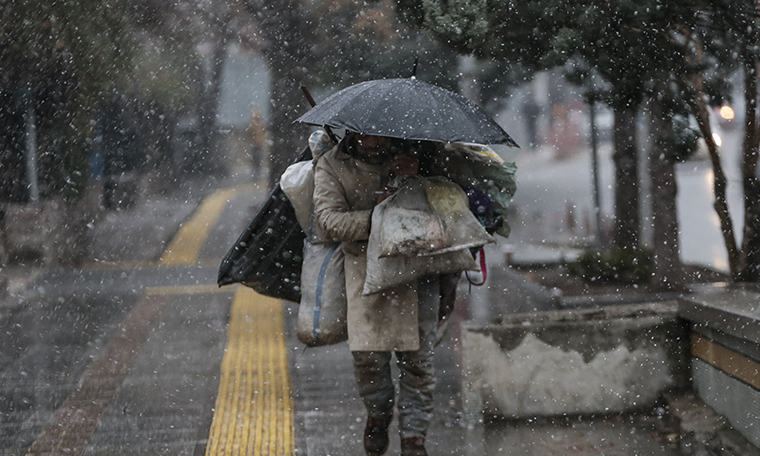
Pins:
x,y
31,148
599,232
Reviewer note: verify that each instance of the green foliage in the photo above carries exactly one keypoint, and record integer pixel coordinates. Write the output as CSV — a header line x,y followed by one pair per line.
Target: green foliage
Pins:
x,y
639,48
628,43
515,32
464,23
614,266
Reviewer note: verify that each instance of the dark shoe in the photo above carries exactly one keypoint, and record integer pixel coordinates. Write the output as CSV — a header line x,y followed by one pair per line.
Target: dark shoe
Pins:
x,y
413,446
376,436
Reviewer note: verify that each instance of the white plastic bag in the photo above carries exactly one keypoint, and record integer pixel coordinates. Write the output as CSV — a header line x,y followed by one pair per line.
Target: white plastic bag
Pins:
x,y
323,311
428,216
297,182
387,272
410,227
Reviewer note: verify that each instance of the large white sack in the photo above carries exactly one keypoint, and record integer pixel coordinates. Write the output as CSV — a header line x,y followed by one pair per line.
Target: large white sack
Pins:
x,y
428,216
410,226
323,310
388,272
297,182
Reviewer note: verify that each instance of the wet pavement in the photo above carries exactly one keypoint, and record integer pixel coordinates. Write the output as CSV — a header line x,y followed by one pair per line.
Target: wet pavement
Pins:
x,y
127,356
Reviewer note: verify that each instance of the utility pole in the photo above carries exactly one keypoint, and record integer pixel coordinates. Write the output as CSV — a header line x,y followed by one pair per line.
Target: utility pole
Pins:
x,y
599,232
31,148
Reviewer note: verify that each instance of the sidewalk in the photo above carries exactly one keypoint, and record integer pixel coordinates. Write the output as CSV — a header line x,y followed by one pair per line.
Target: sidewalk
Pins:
x,y
136,235
329,416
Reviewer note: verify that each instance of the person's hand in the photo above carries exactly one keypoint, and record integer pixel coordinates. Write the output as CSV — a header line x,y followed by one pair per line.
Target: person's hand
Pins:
x,y
405,165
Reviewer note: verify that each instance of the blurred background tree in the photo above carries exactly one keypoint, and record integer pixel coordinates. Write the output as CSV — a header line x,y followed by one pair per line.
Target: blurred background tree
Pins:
x,y
733,38
114,88
59,60
644,52
286,34
359,42
329,45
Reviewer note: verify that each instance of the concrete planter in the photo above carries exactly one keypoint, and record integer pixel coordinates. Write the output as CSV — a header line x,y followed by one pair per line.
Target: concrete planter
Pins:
x,y
614,359
725,350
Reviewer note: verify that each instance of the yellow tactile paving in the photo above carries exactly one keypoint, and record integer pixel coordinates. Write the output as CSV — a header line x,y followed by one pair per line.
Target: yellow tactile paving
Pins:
x,y
253,414
254,407
185,246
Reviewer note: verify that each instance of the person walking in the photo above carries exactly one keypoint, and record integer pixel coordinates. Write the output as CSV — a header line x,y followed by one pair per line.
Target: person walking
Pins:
x,y
257,133
349,181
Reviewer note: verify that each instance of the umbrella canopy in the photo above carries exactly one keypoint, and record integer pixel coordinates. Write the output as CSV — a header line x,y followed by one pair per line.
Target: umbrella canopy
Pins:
x,y
407,109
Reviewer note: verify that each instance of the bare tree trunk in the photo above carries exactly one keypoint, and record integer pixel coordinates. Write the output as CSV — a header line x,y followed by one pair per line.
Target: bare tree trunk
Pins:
x,y
286,105
627,218
286,31
720,182
11,172
12,180
751,242
667,268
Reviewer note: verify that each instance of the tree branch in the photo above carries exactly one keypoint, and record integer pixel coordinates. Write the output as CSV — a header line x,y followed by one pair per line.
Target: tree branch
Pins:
x,y
702,115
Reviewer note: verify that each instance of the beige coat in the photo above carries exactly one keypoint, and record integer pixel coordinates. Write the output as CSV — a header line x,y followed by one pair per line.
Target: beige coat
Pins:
x,y
345,191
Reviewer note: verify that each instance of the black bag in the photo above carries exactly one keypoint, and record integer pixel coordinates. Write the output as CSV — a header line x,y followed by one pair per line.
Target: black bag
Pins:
x,y
268,255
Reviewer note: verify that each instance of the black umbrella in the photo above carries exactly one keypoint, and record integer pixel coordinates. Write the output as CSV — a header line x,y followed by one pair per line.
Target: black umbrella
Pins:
x,y
407,109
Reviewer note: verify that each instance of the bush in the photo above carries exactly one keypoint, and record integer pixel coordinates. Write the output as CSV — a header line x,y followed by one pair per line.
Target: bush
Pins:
x,y
619,266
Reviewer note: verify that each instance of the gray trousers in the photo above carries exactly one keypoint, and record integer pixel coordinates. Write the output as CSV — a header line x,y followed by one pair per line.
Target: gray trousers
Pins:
x,y
372,370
